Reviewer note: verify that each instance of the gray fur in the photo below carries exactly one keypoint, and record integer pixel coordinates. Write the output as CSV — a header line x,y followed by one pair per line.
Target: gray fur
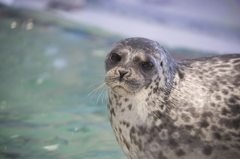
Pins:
x,y
187,109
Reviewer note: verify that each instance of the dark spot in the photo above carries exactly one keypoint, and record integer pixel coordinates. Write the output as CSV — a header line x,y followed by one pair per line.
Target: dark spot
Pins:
x,y
110,101
223,66
222,70
158,114
163,134
232,100
236,61
130,106
161,156
207,150
223,147
236,123
126,143
172,143
237,67
226,137
126,123
206,114
162,106
115,129
237,146
224,91
148,84
217,129
120,130
149,94
215,86
225,111
218,97
123,110
147,99
112,112
141,130
161,64
223,82
218,136
126,99
139,144
189,127
180,153
237,81
132,131
136,59
204,124
193,112
213,104
235,109
185,117
230,123
235,134
155,90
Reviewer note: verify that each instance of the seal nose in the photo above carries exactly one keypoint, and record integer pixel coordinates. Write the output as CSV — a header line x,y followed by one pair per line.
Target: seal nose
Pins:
x,y
122,73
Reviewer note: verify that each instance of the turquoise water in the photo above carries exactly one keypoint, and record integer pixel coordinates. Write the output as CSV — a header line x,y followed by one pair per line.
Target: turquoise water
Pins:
x,y
45,76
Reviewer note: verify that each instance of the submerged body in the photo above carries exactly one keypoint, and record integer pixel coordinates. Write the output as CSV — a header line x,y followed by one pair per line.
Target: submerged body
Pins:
x,y
163,109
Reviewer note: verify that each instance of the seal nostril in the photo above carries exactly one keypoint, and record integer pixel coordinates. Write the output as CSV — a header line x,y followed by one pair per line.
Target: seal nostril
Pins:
x,y
122,73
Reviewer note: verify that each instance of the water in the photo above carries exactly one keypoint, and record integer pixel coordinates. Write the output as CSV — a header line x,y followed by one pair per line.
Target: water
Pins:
x,y
45,110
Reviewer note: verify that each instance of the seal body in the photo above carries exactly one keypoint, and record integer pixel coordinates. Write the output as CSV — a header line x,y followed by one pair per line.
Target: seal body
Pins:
x,y
163,109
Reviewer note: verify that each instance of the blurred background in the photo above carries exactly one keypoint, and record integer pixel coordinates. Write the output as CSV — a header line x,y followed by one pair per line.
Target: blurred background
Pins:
x,y
52,96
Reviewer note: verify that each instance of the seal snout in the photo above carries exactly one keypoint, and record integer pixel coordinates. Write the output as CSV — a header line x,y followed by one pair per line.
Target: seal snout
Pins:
x,y
122,73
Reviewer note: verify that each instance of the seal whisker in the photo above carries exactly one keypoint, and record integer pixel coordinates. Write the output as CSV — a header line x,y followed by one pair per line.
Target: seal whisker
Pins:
x,y
96,90
100,93
96,83
104,94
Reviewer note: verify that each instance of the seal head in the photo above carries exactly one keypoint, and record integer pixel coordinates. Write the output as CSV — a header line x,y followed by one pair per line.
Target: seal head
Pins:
x,y
133,63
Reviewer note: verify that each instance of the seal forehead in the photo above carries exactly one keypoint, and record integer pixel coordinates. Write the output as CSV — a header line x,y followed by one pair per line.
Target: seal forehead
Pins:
x,y
137,44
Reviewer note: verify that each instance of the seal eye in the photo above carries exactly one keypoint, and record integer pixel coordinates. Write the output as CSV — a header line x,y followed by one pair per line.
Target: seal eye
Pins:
x,y
115,57
147,65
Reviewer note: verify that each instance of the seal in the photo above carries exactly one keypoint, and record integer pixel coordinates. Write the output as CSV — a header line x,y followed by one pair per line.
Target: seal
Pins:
x,y
163,109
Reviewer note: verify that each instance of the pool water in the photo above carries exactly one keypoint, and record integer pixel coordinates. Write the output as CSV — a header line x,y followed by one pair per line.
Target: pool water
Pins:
x,y
46,73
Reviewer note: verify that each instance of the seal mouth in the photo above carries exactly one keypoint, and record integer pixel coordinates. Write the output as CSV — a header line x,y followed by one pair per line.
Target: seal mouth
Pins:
x,y
119,86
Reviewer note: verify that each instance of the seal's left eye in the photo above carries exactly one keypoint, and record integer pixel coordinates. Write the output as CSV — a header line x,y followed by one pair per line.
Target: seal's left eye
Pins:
x,y
147,65
115,57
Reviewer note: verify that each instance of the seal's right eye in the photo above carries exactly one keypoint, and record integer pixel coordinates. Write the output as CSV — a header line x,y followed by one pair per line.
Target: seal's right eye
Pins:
x,y
115,57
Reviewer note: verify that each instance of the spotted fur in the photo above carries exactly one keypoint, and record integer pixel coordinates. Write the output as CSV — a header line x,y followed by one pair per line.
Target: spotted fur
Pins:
x,y
187,109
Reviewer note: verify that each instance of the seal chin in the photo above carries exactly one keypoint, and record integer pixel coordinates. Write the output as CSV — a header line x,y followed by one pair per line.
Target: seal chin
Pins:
x,y
120,90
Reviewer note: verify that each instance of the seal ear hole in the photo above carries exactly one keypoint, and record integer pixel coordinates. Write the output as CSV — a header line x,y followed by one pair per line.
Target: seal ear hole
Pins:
x,y
161,64
115,57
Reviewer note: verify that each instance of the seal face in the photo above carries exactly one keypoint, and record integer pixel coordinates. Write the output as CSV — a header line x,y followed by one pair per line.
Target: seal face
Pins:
x,y
163,109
